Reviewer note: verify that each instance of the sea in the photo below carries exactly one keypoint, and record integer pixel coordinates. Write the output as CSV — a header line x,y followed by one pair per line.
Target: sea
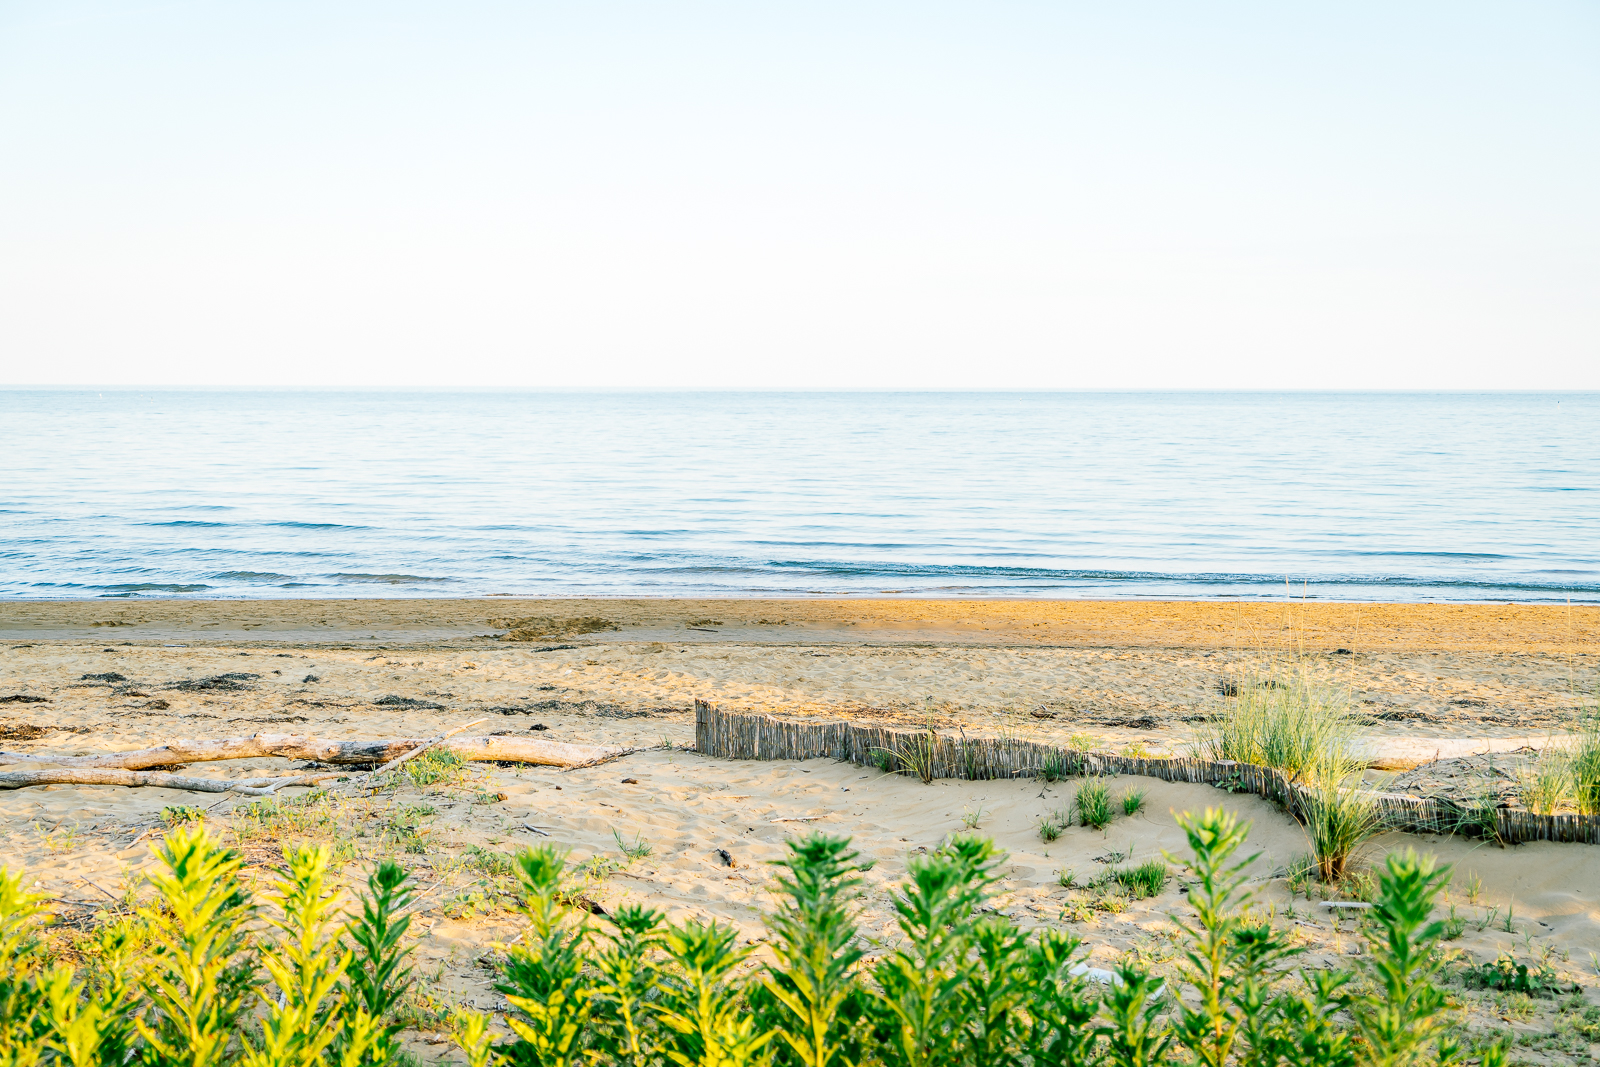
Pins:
x,y
133,493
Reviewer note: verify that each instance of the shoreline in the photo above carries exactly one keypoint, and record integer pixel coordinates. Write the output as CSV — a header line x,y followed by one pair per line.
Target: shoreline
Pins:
x,y
484,621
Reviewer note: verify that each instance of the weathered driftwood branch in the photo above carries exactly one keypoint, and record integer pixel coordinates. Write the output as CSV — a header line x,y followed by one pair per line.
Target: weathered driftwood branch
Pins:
x,y
328,750
158,779
430,743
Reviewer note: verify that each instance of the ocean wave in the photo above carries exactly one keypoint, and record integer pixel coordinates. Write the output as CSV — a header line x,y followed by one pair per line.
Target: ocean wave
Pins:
x,y
390,579
250,576
314,526
152,587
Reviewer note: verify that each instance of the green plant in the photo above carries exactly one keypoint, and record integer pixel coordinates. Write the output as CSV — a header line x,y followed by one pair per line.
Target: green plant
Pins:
x,y
1339,821
202,973
972,816
179,814
1506,974
965,987
636,851
1548,785
1231,962
812,1001
1061,1010
921,980
379,977
1093,803
918,754
24,1031
1133,801
703,1020
1148,879
1049,829
1289,721
625,1030
489,862
1053,769
1136,1036
307,967
434,767
1582,761
1405,1018
543,977
283,818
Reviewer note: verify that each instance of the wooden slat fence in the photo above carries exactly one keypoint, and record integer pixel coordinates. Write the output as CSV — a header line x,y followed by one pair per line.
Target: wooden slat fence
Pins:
x,y
735,735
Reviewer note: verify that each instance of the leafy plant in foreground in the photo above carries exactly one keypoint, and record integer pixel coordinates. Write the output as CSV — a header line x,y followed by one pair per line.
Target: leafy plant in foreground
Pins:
x,y
1403,1023
379,976
202,973
544,976
816,1005
921,982
24,1032
307,965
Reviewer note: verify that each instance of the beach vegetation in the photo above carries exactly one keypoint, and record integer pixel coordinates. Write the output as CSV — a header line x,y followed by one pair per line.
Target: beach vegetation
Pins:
x,y
1093,803
1147,879
178,814
1289,721
436,766
638,850
1132,801
1339,820
208,975
1581,761
1054,768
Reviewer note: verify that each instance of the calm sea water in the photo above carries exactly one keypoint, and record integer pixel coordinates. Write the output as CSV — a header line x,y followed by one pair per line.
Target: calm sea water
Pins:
x,y
323,494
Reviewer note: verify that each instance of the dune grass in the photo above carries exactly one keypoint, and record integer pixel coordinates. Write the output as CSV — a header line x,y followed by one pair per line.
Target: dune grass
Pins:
x,y
1339,819
1287,720
1093,803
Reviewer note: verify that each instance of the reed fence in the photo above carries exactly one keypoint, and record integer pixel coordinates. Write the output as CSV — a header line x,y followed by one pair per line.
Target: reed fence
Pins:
x,y
736,735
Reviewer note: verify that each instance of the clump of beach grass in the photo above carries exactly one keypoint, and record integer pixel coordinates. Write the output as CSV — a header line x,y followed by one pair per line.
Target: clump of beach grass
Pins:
x,y
1339,818
1093,803
1547,786
1132,801
1582,761
1289,721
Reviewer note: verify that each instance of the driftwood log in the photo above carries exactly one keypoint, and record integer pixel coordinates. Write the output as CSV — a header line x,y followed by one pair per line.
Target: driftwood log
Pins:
x,y
256,787
328,750
135,768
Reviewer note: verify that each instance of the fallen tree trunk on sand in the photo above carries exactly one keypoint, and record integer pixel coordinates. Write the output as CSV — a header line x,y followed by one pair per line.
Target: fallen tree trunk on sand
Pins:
x,y
258,787
328,750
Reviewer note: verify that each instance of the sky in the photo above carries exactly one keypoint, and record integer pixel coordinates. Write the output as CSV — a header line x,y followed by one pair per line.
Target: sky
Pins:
x,y
933,195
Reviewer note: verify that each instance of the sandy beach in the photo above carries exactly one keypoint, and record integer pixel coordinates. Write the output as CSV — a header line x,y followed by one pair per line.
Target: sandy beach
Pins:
x,y
81,677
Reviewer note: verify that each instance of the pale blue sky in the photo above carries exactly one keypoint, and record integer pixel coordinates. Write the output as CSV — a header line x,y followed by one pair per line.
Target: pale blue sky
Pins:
x,y
1063,195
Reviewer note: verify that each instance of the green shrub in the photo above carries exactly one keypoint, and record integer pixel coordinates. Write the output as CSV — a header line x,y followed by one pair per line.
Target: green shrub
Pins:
x,y
433,767
1506,974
